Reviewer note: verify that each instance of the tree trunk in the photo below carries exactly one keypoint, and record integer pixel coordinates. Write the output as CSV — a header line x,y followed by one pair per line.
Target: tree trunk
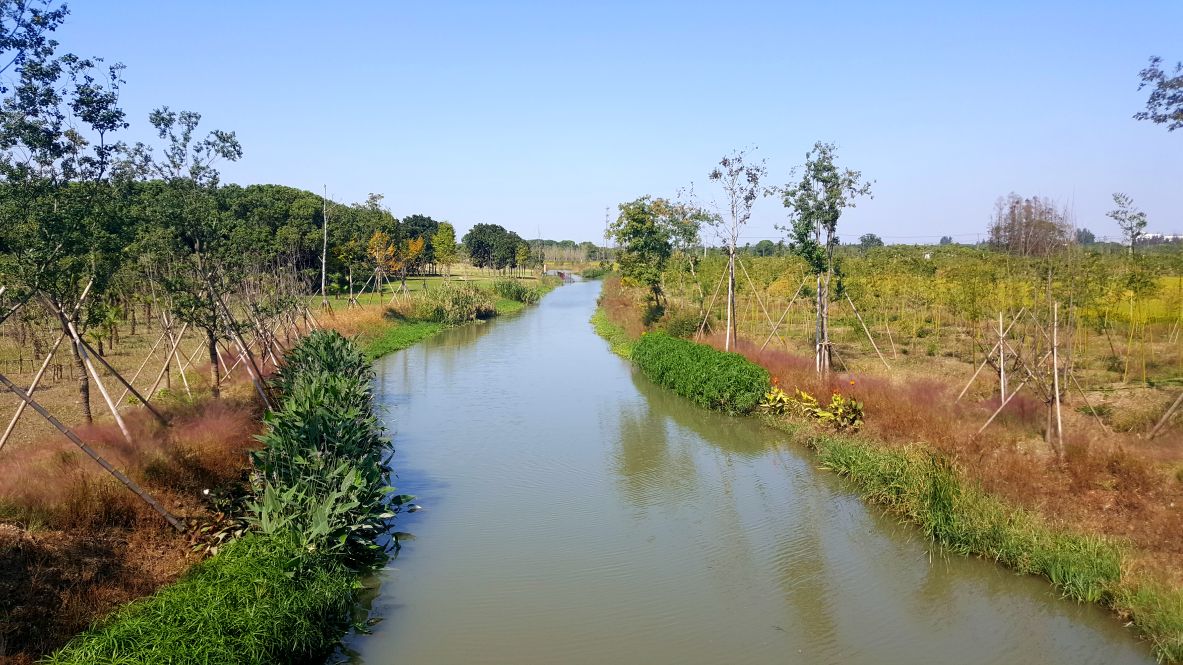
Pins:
x,y
214,371
83,383
731,337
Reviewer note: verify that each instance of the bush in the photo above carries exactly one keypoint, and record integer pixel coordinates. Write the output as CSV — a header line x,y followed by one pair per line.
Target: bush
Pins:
x,y
681,324
512,289
321,474
595,272
454,304
727,382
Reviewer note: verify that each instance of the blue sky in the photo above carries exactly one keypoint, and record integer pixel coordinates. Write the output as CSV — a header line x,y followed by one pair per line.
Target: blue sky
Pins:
x,y
538,115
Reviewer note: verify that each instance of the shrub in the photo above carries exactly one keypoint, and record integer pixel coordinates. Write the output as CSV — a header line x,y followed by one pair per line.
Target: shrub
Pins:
x,y
453,304
681,324
724,381
512,289
323,351
595,272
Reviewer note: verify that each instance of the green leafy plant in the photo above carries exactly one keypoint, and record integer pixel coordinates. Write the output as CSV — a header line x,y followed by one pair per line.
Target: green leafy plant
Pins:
x,y
726,382
844,414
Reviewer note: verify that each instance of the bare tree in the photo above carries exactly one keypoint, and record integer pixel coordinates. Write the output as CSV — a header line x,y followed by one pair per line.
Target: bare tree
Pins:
x,y
1028,226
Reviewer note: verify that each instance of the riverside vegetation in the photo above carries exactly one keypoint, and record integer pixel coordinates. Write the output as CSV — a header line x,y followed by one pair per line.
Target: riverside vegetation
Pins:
x,y
89,546
927,485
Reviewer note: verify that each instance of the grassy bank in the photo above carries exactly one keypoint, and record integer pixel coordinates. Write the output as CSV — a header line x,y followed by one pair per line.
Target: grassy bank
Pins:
x,y
926,487
248,604
317,501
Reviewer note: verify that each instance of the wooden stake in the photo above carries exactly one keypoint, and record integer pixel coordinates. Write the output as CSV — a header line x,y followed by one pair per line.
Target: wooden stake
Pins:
x,y
1056,376
786,313
146,403
868,332
127,482
20,408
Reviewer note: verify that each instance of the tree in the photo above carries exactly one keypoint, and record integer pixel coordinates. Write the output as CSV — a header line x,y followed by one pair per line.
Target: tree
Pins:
x,y
741,185
522,254
869,240
480,241
445,246
946,240
1084,237
205,258
765,248
60,224
1028,226
815,203
644,244
1130,220
1165,104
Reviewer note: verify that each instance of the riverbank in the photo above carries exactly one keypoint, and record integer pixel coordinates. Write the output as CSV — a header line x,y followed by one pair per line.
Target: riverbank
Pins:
x,y
931,486
74,547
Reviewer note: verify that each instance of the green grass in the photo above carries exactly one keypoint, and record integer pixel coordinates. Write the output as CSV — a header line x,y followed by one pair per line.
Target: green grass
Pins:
x,y
396,336
249,604
921,487
618,340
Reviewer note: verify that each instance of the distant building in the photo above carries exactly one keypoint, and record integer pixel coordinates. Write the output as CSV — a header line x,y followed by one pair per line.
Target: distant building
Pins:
x,y
1159,238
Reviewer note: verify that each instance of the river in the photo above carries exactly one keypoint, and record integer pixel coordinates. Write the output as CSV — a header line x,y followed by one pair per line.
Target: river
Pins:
x,y
575,513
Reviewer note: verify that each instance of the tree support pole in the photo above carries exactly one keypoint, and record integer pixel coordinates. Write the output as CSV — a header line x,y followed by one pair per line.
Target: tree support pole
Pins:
x,y
127,482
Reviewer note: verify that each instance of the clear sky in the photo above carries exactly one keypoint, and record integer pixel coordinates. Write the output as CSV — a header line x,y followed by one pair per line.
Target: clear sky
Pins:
x,y
538,115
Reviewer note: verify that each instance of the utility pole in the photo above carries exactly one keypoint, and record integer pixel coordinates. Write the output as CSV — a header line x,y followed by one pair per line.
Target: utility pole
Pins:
x,y
606,226
324,251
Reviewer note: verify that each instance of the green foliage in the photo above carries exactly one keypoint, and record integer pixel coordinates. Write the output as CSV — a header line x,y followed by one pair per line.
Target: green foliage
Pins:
x,y
645,242
843,414
513,289
492,246
455,303
713,379
596,272
776,401
261,600
681,324
321,476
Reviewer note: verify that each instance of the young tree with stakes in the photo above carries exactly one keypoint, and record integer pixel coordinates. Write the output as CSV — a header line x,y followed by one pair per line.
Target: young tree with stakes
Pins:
x,y
1131,220
815,203
741,184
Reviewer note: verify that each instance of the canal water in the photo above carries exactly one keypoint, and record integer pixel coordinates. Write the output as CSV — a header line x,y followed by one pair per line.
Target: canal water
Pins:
x,y
575,513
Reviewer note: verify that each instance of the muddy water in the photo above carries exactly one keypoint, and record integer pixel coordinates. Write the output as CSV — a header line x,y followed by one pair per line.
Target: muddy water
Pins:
x,y
575,513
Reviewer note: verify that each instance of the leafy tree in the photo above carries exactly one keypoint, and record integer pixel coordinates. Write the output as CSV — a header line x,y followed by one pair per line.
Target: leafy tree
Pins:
x,y
764,248
869,240
204,257
522,254
741,184
1085,237
644,242
1165,104
480,241
946,240
505,249
815,204
60,223
445,246
1130,220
